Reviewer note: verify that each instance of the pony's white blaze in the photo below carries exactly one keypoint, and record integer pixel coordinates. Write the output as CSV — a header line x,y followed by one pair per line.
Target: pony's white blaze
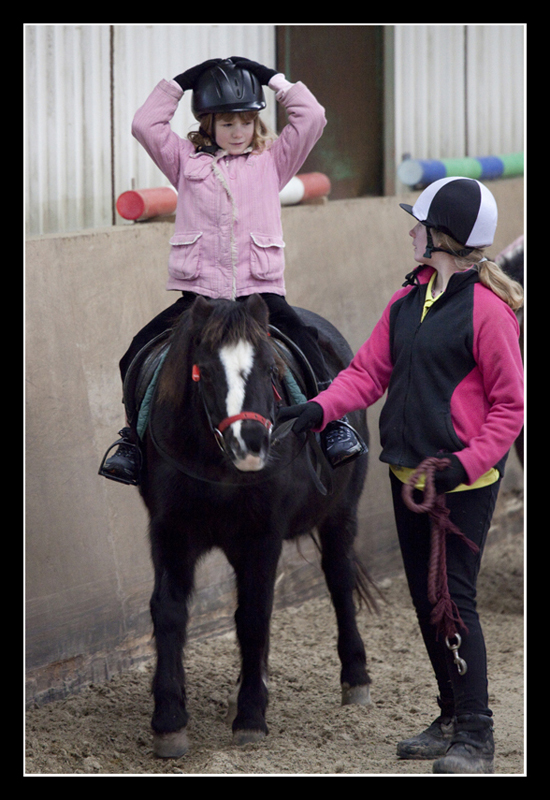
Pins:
x,y
237,361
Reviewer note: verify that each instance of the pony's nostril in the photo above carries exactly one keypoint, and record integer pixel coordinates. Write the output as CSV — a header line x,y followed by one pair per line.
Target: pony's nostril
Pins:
x,y
254,437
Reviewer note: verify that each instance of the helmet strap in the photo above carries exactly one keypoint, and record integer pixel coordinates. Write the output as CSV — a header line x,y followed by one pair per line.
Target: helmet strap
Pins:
x,y
429,243
211,148
431,248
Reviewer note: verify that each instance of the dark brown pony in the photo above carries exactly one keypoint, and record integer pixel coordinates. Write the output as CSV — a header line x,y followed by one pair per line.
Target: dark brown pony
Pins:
x,y
219,473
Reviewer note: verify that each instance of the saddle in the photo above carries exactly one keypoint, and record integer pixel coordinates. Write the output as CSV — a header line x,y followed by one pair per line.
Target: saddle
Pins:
x,y
298,384
299,381
140,381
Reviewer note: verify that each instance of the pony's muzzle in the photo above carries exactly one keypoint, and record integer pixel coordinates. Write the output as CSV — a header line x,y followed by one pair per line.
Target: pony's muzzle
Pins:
x,y
248,443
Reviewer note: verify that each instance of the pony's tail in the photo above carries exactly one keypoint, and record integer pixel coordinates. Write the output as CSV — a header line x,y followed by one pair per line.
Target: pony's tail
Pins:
x,y
366,588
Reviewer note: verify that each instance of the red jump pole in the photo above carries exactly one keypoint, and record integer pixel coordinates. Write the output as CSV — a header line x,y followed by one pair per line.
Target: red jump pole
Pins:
x,y
146,203
308,186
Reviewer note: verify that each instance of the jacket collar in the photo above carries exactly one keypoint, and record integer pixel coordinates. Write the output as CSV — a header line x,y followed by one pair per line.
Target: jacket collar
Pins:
x,y
215,151
422,274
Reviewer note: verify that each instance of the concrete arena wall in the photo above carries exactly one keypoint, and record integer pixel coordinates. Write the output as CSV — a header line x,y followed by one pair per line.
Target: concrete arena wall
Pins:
x,y
88,574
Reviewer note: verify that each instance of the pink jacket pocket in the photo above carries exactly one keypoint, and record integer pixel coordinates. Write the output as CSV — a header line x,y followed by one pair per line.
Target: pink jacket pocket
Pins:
x,y
185,255
267,259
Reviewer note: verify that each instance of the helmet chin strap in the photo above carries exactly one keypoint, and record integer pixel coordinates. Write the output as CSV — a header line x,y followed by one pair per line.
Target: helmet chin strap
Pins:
x,y
429,243
431,248
208,148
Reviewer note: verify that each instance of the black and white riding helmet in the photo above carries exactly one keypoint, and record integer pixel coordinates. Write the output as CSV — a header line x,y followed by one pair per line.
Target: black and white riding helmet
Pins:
x,y
226,88
463,208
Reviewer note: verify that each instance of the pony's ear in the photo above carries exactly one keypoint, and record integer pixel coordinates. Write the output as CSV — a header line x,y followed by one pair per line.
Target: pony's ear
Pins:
x,y
257,307
200,312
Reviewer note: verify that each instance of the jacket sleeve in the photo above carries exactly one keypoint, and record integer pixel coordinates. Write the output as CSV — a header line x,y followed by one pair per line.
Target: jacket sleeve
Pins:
x,y
500,371
306,122
366,378
151,127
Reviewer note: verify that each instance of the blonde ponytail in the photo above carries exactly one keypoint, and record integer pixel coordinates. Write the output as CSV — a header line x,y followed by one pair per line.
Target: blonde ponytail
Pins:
x,y
490,274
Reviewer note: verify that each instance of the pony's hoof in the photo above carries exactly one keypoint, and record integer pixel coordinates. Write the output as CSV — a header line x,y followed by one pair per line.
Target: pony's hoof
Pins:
x,y
247,737
170,745
356,695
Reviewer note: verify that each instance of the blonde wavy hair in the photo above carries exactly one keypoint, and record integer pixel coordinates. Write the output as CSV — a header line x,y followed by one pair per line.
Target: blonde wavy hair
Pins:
x,y
204,137
490,274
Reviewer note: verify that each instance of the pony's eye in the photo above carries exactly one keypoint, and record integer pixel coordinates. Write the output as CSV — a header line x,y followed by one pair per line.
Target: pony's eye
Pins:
x,y
206,375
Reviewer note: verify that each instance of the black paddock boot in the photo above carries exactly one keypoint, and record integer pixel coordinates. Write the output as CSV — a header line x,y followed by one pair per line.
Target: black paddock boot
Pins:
x,y
472,748
341,443
123,466
431,743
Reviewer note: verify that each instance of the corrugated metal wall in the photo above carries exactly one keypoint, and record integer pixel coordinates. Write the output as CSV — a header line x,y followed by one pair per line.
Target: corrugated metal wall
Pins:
x,y
495,89
458,90
68,128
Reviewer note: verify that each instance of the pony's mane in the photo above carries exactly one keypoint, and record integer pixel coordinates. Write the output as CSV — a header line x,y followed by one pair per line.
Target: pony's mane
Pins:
x,y
230,323
226,323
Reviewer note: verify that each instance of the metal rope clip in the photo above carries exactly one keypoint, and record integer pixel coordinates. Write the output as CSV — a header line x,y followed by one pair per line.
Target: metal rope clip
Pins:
x,y
461,665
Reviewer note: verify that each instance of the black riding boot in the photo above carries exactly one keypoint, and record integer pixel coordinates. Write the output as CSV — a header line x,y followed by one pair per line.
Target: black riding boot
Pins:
x,y
431,743
340,441
472,747
123,466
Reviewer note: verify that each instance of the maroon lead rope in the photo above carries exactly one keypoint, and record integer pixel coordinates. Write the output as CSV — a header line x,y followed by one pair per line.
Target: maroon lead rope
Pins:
x,y
445,615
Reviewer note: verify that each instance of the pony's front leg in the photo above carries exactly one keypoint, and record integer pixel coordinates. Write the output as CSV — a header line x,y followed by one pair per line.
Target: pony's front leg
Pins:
x,y
169,604
255,582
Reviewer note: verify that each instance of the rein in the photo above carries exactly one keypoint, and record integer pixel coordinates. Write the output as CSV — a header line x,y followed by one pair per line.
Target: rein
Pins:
x,y
279,432
445,615
320,474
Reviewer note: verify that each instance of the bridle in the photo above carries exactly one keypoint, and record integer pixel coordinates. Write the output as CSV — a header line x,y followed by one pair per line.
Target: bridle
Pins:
x,y
222,426
277,435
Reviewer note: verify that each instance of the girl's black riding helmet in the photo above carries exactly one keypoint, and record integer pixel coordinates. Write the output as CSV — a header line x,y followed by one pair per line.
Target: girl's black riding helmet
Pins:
x,y
226,88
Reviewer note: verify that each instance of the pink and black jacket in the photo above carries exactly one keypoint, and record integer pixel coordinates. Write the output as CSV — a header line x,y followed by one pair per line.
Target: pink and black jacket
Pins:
x,y
454,381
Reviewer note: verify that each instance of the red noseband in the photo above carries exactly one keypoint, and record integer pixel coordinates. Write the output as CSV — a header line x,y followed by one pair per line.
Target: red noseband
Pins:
x,y
225,423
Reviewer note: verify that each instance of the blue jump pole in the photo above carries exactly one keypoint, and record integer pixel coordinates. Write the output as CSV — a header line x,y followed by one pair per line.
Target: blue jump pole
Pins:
x,y
422,172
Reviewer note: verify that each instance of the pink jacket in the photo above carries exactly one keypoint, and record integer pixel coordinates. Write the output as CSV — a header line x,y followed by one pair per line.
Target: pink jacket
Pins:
x,y
228,239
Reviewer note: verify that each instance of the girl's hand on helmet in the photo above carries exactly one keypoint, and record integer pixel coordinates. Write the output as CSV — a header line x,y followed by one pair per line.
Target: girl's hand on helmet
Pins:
x,y
307,415
264,74
188,78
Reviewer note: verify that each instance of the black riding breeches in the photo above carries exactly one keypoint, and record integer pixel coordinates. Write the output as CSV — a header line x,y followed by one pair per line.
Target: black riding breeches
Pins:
x,y
471,511
281,315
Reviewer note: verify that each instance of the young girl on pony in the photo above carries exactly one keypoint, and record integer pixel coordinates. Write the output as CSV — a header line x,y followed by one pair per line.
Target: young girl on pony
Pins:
x,y
228,240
